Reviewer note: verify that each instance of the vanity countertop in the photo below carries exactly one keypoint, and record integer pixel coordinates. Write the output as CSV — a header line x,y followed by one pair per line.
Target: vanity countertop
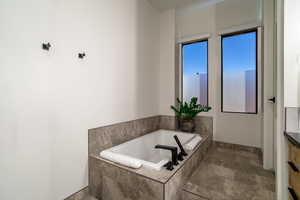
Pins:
x,y
293,137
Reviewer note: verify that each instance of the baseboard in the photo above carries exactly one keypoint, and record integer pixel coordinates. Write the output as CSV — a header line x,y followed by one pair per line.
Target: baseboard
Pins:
x,y
238,147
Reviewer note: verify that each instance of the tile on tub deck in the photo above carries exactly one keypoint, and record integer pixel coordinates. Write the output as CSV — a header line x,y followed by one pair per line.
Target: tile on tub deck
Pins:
x,y
107,136
173,188
95,177
231,174
204,125
167,122
121,184
163,175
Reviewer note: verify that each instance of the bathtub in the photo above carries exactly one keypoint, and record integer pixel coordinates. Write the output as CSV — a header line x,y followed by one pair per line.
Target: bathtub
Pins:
x,y
140,152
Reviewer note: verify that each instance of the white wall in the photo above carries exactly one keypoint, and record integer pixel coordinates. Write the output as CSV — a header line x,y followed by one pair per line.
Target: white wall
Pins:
x,y
194,21
269,87
49,100
167,62
291,54
231,13
210,20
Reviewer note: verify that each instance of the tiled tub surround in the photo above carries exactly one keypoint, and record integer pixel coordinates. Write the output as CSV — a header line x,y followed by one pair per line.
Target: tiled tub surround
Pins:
x,y
109,136
105,137
141,152
109,181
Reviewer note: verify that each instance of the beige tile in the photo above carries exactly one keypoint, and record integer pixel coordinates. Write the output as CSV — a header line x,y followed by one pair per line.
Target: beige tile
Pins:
x,y
167,122
105,137
231,174
190,196
174,187
95,177
204,125
107,184
122,184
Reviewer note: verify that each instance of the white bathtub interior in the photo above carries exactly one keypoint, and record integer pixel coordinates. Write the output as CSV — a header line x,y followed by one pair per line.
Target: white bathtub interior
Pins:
x,y
141,152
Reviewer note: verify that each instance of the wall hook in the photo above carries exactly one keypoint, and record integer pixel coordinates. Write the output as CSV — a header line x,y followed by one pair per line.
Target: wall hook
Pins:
x,y
46,46
81,55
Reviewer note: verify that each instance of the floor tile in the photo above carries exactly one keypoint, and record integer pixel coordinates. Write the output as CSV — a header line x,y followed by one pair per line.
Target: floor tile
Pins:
x,y
232,174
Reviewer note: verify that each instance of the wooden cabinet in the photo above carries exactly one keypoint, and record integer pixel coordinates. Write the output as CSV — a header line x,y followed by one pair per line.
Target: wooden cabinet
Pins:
x,y
294,172
294,154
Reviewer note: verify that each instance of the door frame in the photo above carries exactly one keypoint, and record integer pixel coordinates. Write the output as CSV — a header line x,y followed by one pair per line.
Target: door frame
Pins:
x,y
269,86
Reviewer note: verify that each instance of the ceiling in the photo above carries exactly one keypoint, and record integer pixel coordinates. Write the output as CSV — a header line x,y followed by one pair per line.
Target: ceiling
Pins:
x,y
167,4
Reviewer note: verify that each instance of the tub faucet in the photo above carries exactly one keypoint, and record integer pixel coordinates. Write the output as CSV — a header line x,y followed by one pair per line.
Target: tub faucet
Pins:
x,y
173,151
182,151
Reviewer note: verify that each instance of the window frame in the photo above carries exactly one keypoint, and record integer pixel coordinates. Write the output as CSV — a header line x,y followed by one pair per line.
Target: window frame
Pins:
x,y
182,65
253,30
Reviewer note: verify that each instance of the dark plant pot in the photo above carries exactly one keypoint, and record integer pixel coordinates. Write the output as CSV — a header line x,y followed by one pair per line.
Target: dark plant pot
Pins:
x,y
187,125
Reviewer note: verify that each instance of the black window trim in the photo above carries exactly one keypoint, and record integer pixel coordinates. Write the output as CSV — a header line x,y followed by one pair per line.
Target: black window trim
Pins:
x,y
207,67
256,68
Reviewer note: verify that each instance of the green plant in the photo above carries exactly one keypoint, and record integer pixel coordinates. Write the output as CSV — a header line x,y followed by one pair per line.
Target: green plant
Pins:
x,y
188,111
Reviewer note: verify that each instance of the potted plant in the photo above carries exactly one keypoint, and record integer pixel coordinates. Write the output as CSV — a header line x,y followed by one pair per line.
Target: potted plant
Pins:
x,y
186,113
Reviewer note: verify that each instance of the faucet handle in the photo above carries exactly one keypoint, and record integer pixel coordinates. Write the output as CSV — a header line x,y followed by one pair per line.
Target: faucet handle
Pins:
x,y
180,157
183,153
169,166
175,161
173,151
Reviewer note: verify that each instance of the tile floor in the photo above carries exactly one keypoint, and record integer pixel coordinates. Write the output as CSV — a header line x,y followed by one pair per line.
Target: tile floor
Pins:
x,y
227,173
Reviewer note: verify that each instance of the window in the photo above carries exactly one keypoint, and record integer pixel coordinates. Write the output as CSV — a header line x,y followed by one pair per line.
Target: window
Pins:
x,y
195,71
239,72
